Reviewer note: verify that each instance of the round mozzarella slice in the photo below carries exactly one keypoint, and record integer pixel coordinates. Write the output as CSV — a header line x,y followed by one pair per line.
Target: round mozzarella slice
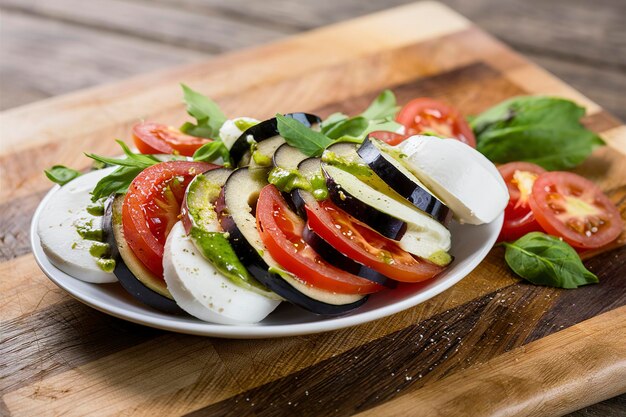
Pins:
x,y
230,132
57,229
202,291
467,182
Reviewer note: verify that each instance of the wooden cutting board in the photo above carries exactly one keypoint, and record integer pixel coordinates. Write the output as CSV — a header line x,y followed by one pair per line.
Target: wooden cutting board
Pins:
x,y
489,345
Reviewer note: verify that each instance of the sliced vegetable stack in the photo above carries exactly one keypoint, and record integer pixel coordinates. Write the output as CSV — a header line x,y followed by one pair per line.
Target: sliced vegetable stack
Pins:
x,y
224,219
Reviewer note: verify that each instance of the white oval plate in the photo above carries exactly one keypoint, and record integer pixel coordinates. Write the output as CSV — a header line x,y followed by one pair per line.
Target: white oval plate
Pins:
x,y
470,245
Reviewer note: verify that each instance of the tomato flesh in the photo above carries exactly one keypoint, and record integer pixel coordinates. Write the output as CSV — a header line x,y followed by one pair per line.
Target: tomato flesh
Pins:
x,y
574,208
427,115
364,245
281,233
390,138
151,138
518,217
152,206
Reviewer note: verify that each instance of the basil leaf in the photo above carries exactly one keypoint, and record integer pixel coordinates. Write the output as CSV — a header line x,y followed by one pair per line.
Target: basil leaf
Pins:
x,y
383,107
546,260
132,159
61,175
211,151
543,130
310,142
209,117
354,126
116,182
331,121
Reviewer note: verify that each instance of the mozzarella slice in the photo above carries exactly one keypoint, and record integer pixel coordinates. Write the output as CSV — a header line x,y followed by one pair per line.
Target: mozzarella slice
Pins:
x,y
202,291
229,132
467,182
60,241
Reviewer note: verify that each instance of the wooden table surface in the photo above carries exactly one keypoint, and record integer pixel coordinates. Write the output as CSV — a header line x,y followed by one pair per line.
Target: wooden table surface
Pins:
x,y
50,48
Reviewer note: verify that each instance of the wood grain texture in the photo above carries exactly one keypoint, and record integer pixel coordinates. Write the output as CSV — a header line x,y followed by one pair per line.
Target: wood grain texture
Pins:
x,y
58,357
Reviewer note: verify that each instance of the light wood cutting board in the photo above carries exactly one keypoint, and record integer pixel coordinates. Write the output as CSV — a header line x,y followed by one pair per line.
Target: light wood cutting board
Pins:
x,y
489,345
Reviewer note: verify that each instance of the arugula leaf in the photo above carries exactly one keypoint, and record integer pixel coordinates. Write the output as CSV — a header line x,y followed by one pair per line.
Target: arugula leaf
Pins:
x,y
543,130
119,180
132,159
383,107
60,174
211,151
209,117
310,142
546,260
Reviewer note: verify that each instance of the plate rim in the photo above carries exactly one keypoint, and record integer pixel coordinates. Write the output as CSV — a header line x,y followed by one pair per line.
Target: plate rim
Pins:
x,y
246,331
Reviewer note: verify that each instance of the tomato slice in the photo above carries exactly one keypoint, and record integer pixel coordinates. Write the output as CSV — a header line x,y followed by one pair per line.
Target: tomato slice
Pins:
x,y
429,115
363,244
153,138
152,205
574,208
281,232
390,138
518,217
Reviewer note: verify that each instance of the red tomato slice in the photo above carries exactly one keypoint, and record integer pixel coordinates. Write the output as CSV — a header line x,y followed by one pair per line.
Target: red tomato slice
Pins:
x,y
152,205
281,232
574,208
389,137
428,115
518,217
153,138
363,244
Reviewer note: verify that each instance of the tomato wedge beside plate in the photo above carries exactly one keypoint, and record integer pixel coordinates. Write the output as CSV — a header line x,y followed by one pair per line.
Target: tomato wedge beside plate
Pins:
x,y
428,115
152,206
151,138
364,245
519,219
281,232
574,208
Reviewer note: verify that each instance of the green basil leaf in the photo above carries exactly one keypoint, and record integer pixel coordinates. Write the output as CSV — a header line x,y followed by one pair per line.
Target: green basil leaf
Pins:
x,y
546,260
383,107
132,159
211,151
354,126
61,175
116,182
331,121
386,125
310,142
543,130
209,117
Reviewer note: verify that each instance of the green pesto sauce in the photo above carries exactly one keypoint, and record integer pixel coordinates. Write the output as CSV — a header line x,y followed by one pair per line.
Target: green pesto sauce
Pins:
x,y
215,248
353,167
244,125
106,264
86,230
96,208
287,180
200,194
99,249
260,159
441,258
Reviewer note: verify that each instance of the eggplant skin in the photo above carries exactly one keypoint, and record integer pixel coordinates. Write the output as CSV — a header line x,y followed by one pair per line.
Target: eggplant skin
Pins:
x,y
265,130
339,260
383,223
281,287
126,277
419,197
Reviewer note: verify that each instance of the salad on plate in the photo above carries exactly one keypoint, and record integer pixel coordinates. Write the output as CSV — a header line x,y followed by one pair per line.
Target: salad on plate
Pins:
x,y
225,219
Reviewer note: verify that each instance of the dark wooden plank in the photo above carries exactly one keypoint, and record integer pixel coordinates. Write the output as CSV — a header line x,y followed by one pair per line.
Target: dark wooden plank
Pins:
x,y
47,58
169,25
614,407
